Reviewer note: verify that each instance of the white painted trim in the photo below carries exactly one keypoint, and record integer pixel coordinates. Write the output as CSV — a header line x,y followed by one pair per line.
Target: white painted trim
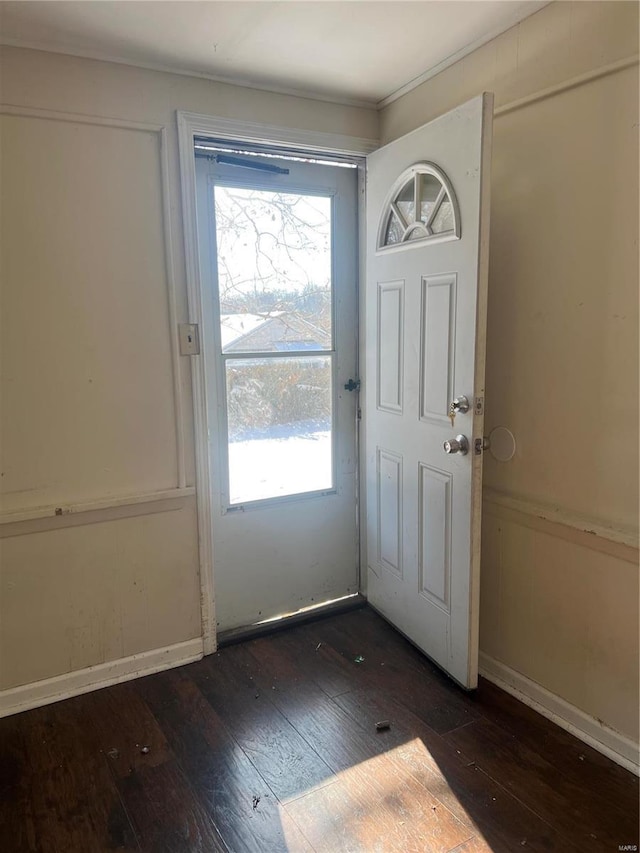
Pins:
x,y
62,510
514,19
241,82
199,384
609,742
269,134
362,376
479,381
172,310
191,125
593,528
17,699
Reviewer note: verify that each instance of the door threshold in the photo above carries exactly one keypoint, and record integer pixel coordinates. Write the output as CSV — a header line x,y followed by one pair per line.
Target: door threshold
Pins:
x,y
300,617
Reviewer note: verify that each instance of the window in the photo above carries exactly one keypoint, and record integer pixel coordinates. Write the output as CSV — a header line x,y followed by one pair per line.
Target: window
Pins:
x,y
275,253
421,206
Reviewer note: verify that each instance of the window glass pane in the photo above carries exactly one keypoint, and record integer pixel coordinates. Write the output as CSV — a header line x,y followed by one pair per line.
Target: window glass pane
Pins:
x,y
443,220
274,270
430,187
406,201
279,417
394,231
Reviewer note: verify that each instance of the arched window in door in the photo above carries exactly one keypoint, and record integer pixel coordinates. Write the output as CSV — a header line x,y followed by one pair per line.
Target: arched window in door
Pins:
x,y
420,206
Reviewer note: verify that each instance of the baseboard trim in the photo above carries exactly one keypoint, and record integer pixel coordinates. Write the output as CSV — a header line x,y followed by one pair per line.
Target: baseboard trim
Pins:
x,y
609,742
17,699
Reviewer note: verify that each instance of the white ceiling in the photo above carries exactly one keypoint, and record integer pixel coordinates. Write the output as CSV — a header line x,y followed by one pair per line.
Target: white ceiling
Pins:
x,y
346,50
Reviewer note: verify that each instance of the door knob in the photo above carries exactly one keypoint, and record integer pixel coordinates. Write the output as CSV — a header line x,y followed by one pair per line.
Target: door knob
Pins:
x,y
459,444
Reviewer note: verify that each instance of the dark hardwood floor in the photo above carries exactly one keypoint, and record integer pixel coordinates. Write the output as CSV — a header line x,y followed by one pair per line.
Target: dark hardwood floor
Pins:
x,y
271,745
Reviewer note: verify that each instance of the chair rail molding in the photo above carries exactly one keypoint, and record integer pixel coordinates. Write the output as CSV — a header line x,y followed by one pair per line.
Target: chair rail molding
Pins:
x,y
597,534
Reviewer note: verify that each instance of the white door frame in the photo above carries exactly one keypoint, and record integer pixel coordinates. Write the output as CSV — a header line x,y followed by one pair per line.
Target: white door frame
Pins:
x,y
191,125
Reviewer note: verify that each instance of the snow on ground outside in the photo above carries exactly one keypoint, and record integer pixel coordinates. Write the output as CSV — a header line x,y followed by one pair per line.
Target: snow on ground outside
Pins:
x,y
281,460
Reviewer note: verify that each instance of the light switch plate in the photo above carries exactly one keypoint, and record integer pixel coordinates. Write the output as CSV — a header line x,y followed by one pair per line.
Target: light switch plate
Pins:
x,y
189,336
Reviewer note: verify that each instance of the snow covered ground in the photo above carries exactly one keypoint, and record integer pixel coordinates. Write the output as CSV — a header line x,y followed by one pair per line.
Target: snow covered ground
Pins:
x,y
282,460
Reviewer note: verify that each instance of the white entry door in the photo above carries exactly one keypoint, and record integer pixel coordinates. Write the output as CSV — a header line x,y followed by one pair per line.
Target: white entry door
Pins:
x,y
278,262
427,264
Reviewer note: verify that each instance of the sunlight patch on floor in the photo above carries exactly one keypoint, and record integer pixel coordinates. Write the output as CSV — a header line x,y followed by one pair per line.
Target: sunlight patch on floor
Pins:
x,y
384,804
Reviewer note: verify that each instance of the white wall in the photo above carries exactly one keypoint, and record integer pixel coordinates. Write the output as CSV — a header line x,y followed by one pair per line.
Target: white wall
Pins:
x,y
559,606
96,407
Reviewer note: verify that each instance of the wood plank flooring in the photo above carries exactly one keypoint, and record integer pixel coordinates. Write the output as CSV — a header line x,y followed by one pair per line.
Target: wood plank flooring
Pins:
x,y
271,745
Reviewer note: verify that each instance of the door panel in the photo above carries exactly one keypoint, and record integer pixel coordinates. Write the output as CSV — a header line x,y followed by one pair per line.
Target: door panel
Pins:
x,y
389,519
434,534
278,258
427,245
437,335
390,345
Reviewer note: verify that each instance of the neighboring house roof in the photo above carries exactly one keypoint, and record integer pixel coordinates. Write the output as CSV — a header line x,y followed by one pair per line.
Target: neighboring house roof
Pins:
x,y
235,326
278,332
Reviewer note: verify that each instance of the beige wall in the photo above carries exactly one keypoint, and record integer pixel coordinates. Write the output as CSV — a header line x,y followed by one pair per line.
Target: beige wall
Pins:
x,y
562,354
91,411
105,588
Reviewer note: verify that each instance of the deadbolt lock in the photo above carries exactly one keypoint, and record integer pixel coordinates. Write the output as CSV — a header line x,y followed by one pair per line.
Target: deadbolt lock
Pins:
x,y
459,406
